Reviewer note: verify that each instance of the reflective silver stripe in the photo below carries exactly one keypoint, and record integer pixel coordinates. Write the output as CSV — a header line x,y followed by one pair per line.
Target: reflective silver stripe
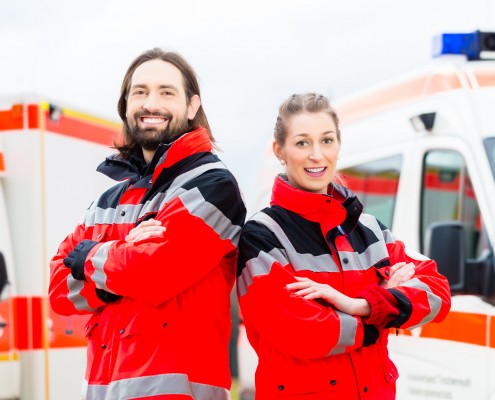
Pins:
x,y
202,391
194,173
260,265
370,222
434,301
347,336
309,262
80,302
276,229
99,259
129,213
158,202
299,261
123,214
86,216
197,205
156,385
373,253
388,236
161,199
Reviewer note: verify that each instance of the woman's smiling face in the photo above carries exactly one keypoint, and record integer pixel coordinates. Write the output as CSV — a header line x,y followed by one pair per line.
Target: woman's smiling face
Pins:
x,y
311,150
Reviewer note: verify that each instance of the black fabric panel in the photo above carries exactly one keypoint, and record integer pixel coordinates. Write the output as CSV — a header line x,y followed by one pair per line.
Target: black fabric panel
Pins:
x,y
111,197
310,241
255,237
362,238
219,187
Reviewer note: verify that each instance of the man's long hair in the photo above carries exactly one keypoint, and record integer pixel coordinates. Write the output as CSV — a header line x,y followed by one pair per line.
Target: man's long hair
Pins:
x,y
191,87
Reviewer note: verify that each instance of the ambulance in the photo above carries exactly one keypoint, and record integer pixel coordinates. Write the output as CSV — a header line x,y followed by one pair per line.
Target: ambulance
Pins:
x,y
48,157
419,151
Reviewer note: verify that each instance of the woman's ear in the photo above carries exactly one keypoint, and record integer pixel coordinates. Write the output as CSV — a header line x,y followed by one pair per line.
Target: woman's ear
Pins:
x,y
192,109
278,150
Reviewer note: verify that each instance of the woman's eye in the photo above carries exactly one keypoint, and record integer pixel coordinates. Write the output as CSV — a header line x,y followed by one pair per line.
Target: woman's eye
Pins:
x,y
327,141
301,143
138,92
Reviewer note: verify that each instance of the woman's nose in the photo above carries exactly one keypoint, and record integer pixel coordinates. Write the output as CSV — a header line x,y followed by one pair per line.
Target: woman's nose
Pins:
x,y
315,153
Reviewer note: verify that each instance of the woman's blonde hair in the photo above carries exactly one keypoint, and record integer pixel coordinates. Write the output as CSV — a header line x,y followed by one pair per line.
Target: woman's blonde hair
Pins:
x,y
299,103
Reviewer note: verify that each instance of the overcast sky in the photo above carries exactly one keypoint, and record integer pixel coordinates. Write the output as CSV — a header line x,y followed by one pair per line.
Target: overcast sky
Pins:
x,y
249,55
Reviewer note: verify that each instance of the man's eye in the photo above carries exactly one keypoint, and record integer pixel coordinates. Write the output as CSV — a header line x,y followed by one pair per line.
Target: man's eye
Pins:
x,y
138,92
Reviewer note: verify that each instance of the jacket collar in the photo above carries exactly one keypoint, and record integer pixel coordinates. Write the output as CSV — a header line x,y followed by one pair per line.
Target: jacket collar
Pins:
x,y
339,208
197,141
166,155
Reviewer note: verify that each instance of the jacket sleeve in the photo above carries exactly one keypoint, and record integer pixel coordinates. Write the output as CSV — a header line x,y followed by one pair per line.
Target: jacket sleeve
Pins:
x,y
68,295
424,298
202,223
272,314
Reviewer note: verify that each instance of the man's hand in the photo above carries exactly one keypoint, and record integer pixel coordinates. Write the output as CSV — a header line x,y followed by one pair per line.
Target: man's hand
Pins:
x,y
76,259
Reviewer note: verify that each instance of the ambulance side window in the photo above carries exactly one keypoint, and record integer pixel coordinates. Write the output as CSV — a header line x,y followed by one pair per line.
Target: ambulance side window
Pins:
x,y
448,195
376,183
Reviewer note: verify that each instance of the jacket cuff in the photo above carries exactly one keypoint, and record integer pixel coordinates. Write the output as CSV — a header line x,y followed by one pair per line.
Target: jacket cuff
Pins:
x,y
384,305
371,334
404,307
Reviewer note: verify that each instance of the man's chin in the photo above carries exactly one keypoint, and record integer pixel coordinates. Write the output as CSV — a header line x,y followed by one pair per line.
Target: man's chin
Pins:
x,y
149,138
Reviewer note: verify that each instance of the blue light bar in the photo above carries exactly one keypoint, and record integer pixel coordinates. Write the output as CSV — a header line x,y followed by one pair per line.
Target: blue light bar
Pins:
x,y
477,45
458,43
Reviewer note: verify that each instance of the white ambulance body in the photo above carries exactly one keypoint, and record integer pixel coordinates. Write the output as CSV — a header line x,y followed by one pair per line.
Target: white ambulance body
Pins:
x,y
420,154
48,157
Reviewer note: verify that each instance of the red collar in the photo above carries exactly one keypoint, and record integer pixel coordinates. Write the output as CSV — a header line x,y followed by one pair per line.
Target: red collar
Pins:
x,y
190,143
326,209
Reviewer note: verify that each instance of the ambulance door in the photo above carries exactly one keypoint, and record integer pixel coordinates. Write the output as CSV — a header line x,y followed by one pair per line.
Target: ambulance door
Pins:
x,y
449,359
9,356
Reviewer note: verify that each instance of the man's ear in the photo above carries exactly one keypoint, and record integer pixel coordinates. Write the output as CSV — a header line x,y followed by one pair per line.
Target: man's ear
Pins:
x,y
194,104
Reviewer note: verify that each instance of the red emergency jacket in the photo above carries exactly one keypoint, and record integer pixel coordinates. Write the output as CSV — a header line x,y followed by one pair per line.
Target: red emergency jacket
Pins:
x,y
160,308
306,348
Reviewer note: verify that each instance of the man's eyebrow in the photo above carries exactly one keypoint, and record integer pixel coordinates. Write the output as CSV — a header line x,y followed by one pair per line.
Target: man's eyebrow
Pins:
x,y
139,85
145,86
169,87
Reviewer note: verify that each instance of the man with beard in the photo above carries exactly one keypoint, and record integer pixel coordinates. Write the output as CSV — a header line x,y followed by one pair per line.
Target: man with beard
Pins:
x,y
153,261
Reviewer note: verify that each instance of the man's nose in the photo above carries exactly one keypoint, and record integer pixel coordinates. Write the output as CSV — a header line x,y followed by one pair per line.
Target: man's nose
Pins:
x,y
152,102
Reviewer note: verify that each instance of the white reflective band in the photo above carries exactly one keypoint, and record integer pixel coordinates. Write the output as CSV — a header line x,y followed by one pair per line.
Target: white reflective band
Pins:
x,y
434,301
260,265
75,297
347,335
196,204
156,385
99,259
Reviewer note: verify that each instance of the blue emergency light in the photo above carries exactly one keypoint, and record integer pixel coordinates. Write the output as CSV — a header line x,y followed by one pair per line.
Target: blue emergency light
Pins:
x,y
475,45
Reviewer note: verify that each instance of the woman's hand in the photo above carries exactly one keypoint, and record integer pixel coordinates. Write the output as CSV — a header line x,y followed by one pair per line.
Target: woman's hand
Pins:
x,y
309,290
148,229
399,273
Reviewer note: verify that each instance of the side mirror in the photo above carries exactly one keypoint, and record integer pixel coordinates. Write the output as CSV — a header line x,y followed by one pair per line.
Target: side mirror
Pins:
x,y
445,243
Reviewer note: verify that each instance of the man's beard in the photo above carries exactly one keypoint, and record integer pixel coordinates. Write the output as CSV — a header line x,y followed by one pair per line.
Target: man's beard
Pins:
x,y
150,138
